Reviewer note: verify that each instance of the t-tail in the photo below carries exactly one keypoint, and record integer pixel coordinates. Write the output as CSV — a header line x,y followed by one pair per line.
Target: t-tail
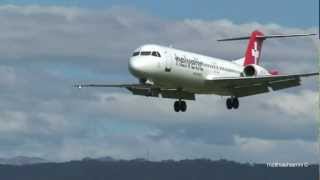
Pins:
x,y
253,52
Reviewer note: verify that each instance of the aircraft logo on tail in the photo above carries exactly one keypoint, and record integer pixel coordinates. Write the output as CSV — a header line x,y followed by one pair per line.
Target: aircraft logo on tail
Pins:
x,y
255,53
252,55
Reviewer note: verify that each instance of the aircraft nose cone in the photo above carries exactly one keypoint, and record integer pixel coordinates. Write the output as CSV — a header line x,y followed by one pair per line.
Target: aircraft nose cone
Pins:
x,y
136,67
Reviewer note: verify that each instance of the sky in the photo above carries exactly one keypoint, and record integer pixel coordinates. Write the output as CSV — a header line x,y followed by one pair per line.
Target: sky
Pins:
x,y
47,46
284,12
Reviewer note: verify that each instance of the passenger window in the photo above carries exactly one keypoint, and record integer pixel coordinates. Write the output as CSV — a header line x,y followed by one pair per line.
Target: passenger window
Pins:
x,y
145,53
158,54
135,54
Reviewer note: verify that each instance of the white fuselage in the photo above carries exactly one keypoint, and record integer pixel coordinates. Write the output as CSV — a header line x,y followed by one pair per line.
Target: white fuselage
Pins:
x,y
181,69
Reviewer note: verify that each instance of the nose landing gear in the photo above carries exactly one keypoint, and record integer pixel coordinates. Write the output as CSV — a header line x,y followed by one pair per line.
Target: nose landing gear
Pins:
x,y
180,106
232,102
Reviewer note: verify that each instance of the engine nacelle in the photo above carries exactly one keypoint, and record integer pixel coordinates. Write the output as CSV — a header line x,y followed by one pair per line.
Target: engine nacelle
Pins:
x,y
254,70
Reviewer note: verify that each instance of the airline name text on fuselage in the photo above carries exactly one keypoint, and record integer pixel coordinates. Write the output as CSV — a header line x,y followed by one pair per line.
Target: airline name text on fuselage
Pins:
x,y
189,63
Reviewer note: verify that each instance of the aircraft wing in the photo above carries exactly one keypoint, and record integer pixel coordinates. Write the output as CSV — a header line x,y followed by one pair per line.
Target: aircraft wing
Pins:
x,y
146,90
246,86
112,85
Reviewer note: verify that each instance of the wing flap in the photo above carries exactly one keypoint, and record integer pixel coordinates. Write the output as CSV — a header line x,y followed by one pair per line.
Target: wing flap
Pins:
x,y
284,84
250,90
144,91
174,94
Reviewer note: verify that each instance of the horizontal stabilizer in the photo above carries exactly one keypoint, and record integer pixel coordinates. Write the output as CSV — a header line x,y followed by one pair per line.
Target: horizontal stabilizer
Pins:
x,y
266,37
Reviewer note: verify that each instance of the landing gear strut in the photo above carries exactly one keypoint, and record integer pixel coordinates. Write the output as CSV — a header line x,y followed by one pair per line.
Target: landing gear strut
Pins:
x,y
232,102
180,106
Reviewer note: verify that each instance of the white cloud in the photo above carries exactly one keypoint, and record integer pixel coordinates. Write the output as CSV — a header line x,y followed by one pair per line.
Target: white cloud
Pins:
x,y
31,10
7,76
43,47
13,122
278,151
303,104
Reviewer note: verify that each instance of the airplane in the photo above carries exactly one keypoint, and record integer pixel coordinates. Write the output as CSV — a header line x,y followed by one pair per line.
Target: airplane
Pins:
x,y
176,74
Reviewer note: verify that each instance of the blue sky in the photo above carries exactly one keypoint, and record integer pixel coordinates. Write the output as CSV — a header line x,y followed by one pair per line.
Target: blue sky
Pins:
x,y
284,12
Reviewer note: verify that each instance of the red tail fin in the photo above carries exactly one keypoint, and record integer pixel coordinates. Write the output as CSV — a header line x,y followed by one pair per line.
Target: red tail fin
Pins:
x,y
256,39
253,52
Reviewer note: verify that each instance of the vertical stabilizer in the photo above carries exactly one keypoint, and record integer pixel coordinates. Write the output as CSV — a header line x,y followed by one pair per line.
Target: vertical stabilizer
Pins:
x,y
253,52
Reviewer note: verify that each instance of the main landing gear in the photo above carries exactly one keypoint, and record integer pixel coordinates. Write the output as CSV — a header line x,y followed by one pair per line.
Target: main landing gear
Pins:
x,y
232,102
180,106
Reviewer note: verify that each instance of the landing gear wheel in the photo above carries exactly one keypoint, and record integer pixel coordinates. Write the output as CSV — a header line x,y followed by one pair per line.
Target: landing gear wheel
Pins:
x,y
183,106
229,103
149,93
180,106
232,103
235,103
176,106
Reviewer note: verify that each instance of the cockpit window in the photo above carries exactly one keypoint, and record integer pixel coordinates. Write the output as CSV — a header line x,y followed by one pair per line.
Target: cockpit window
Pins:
x,y
145,53
135,54
154,53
